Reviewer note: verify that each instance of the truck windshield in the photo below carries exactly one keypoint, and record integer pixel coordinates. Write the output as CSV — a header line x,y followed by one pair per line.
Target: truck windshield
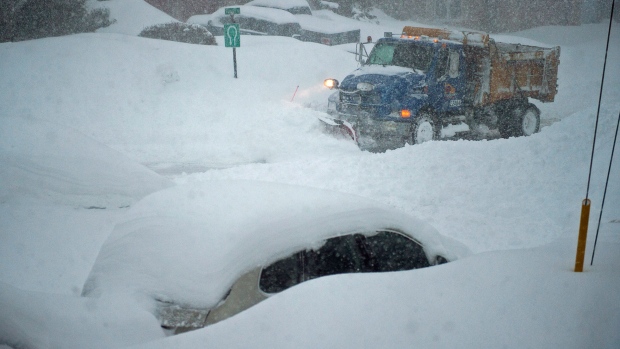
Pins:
x,y
406,55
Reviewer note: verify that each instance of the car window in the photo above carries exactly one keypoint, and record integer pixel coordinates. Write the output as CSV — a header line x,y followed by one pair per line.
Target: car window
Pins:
x,y
338,256
356,253
281,275
390,251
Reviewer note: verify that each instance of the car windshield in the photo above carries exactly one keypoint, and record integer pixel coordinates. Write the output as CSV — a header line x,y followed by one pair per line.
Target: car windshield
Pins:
x,y
357,253
402,54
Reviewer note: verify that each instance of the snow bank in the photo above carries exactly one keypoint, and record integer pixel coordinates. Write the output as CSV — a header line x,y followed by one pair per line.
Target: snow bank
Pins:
x,y
43,320
60,193
46,160
172,103
501,194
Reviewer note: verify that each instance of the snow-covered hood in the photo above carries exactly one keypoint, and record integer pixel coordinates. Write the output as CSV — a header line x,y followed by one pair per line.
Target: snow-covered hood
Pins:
x,y
385,78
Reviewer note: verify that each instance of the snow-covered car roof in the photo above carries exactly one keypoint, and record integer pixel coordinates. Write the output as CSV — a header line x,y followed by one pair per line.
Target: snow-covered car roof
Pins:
x,y
273,15
188,244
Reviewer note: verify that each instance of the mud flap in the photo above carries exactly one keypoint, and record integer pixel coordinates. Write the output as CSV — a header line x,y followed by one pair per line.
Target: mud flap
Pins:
x,y
339,128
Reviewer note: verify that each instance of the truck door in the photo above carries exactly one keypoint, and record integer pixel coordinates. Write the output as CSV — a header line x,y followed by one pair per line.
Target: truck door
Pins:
x,y
450,84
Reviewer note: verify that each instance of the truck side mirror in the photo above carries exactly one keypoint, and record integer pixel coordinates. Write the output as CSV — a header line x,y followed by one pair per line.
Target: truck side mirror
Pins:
x,y
361,53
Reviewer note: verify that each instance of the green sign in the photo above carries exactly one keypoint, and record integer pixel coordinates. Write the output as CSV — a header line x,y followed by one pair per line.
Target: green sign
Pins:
x,y
232,10
232,35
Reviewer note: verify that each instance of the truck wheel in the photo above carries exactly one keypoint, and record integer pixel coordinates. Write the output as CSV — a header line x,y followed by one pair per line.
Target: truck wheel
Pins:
x,y
530,120
520,121
424,129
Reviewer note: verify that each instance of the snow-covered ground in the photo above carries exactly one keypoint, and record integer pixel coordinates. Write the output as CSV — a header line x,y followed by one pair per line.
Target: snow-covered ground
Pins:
x,y
92,123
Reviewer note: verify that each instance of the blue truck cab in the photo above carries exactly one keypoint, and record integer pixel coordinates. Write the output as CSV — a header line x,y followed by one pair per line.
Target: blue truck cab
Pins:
x,y
416,88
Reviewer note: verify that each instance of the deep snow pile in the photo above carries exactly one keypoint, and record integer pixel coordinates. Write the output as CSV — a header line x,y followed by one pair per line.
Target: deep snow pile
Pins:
x,y
497,194
47,160
166,102
176,107
55,184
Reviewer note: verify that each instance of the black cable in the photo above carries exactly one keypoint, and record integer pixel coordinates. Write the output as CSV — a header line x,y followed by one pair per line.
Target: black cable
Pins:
x,y
613,148
600,97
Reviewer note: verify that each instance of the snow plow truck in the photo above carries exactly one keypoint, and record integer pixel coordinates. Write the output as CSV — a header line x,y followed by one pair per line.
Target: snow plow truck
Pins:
x,y
429,84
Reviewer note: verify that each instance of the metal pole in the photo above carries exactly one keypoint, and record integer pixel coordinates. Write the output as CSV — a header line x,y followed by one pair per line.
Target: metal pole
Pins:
x,y
232,17
583,235
235,60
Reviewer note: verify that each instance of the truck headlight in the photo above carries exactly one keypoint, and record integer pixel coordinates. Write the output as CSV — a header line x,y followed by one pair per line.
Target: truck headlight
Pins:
x,y
331,83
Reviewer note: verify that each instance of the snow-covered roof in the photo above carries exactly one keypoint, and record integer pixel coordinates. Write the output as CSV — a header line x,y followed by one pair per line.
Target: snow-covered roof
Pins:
x,y
323,25
269,14
281,4
189,243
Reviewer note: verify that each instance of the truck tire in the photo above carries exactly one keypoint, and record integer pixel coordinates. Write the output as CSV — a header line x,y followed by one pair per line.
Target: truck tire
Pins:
x,y
521,120
424,129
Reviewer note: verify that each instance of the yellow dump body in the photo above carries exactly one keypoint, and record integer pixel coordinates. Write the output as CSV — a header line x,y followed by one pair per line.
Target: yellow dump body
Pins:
x,y
529,70
498,71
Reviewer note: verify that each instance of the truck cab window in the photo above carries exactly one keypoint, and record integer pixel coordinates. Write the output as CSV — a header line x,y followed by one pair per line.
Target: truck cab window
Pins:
x,y
453,72
381,54
413,56
441,68
403,55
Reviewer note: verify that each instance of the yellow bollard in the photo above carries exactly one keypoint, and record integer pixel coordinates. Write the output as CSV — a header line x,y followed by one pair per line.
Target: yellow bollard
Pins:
x,y
583,235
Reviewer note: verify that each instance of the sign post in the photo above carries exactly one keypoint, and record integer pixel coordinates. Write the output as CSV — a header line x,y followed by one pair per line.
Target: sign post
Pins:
x,y
232,35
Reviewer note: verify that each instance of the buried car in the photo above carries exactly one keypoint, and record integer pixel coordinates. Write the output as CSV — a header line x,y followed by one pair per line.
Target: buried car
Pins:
x,y
197,254
314,28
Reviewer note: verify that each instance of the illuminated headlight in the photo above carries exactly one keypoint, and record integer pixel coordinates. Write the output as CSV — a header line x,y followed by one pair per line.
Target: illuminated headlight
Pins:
x,y
365,87
331,83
